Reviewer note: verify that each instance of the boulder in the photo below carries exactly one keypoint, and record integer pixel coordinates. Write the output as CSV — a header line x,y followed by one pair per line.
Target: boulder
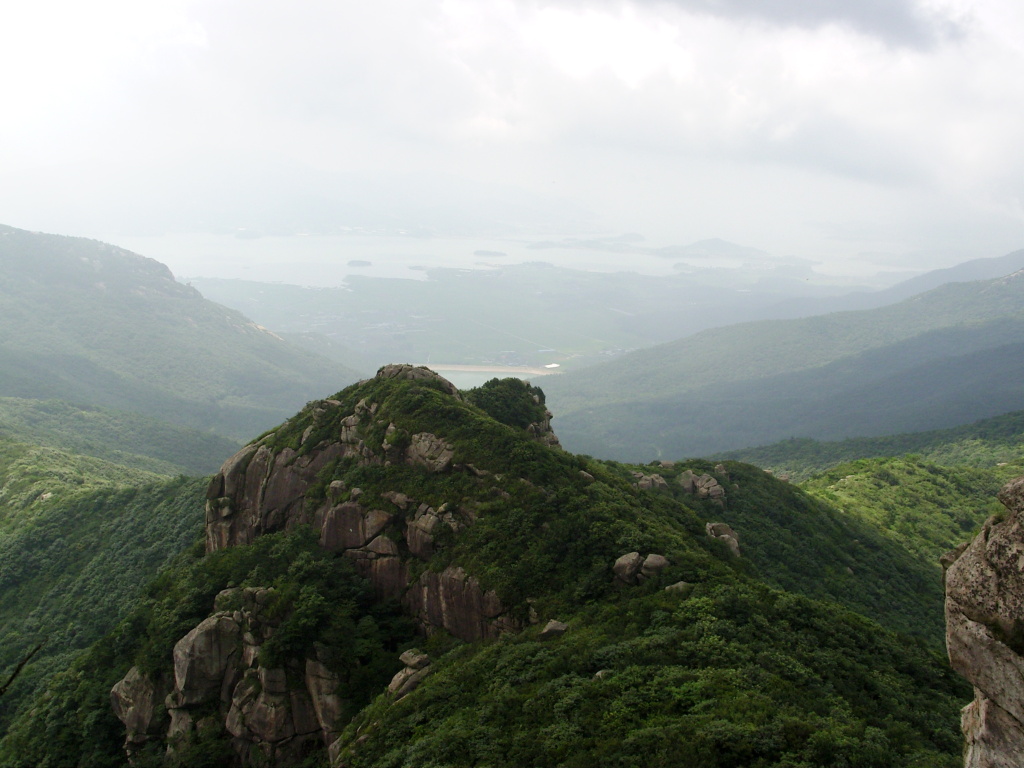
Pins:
x,y
683,588
134,699
627,567
430,451
724,533
553,629
653,565
650,482
406,681
419,533
417,667
204,657
985,634
414,658
707,487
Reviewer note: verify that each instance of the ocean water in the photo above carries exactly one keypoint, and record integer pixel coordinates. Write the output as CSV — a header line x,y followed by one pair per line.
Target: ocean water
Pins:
x,y
326,260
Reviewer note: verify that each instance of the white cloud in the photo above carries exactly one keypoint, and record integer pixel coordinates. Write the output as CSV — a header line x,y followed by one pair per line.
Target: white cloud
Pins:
x,y
808,128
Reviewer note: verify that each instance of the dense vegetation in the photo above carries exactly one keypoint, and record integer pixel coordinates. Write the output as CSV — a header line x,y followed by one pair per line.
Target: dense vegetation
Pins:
x,y
803,543
927,507
734,675
33,478
318,593
73,565
947,357
128,439
740,672
986,443
511,401
91,323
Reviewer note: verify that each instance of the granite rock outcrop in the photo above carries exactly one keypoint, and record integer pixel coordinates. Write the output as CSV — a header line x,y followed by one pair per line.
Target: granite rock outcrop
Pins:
x,y
262,489
300,476
273,715
985,634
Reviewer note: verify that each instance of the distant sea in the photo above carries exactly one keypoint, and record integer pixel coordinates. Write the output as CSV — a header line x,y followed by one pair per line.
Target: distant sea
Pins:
x,y
326,260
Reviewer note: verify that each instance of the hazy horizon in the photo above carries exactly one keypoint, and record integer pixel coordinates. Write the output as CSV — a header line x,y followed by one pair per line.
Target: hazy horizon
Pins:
x,y
873,137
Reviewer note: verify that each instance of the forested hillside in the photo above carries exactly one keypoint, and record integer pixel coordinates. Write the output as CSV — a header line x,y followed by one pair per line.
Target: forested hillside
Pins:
x,y
128,439
574,611
74,563
90,323
985,443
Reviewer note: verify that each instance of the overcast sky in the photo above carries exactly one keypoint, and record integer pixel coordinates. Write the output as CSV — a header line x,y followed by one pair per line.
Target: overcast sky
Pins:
x,y
882,129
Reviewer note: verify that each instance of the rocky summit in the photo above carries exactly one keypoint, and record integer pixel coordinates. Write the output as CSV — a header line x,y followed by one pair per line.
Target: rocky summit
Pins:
x,y
302,475
267,487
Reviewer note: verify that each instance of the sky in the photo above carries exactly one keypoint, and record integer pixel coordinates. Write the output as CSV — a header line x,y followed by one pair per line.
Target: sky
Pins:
x,y
885,131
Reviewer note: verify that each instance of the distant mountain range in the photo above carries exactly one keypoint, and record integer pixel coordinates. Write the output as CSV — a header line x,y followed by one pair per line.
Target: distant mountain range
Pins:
x,y
949,356
969,271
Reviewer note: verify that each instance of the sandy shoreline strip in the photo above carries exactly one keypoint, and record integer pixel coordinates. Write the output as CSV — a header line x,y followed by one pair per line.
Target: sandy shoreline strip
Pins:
x,y
511,370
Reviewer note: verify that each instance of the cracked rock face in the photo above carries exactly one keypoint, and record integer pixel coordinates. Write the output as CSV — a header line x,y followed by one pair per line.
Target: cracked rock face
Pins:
x,y
274,717
985,634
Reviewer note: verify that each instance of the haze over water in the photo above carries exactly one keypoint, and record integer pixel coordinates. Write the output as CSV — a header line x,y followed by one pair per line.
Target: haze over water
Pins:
x,y
326,260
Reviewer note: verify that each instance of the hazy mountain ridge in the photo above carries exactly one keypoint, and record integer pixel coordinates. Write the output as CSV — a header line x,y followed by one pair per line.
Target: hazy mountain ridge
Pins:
x,y
91,323
942,358
536,312
968,271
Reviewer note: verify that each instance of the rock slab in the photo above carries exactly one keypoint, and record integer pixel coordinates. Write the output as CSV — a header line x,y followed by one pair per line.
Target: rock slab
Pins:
x,y
985,634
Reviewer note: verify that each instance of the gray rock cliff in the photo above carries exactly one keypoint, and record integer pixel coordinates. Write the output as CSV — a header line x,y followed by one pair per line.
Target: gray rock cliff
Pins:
x,y
985,634
273,715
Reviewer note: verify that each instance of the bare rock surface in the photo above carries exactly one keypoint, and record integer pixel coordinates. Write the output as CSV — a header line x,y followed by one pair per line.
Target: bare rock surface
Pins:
x,y
724,533
273,714
134,700
541,430
454,601
985,634
431,452
627,567
649,482
553,629
203,656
